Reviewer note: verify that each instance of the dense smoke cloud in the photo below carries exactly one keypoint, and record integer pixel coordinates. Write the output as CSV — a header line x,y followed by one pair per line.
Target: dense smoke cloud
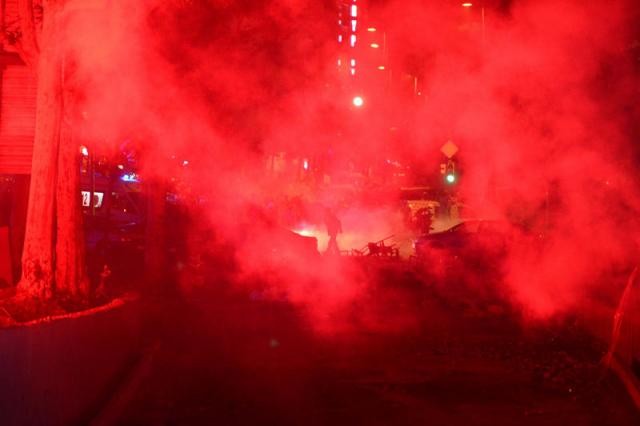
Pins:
x,y
539,100
538,105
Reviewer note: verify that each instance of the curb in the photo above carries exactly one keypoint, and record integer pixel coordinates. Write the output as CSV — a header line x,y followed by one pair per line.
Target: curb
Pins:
x,y
631,383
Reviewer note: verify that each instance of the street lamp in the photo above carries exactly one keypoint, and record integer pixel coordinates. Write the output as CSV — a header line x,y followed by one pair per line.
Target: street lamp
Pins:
x,y
469,4
358,101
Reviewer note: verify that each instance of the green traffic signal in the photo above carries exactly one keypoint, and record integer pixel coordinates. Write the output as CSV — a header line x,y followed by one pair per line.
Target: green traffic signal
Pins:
x,y
450,178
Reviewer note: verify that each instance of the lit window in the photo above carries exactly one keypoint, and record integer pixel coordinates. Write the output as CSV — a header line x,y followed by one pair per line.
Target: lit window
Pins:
x,y
354,10
353,25
353,62
353,71
381,67
375,45
371,30
353,40
340,38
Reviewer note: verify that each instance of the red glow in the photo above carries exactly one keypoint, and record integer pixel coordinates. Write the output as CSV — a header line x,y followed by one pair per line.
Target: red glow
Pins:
x,y
540,107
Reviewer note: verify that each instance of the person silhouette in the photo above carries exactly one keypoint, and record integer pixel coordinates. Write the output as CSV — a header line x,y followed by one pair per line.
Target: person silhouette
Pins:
x,y
334,227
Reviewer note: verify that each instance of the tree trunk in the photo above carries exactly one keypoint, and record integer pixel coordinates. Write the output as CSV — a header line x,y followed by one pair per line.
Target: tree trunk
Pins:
x,y
71,269
71,277
38,254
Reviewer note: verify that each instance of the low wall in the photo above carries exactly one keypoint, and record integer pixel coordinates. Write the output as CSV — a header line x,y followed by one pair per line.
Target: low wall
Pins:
x,y
58,371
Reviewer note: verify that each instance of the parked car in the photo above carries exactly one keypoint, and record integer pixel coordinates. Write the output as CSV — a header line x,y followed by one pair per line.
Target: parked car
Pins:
x,y
469,243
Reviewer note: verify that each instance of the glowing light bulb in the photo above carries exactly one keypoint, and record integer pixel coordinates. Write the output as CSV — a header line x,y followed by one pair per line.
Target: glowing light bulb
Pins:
x,y
358,101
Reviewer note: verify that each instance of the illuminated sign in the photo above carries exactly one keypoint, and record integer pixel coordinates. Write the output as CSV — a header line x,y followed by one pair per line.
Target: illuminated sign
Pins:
x,y
132,177
97,199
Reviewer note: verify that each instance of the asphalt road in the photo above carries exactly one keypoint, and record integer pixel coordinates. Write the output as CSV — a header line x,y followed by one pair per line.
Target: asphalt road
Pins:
x,y
228,358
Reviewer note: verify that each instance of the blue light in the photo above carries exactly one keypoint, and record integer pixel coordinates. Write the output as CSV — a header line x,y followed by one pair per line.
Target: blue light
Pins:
x,y
130,177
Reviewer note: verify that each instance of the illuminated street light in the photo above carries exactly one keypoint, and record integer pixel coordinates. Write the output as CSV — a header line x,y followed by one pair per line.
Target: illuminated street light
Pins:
x,y
375,45
358,101
469,4
371,29
381,67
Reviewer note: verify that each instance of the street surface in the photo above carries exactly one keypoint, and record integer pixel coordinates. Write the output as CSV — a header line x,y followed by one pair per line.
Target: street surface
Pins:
x,y
230,359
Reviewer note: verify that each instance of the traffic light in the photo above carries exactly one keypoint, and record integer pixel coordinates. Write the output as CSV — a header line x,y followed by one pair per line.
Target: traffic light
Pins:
x,y
450,178
450,175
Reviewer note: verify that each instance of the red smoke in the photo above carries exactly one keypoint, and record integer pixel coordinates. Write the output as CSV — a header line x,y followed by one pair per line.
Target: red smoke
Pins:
x,y
539,100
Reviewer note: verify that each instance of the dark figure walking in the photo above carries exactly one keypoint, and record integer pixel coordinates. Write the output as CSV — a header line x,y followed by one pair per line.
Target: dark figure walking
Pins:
x,y
334,227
